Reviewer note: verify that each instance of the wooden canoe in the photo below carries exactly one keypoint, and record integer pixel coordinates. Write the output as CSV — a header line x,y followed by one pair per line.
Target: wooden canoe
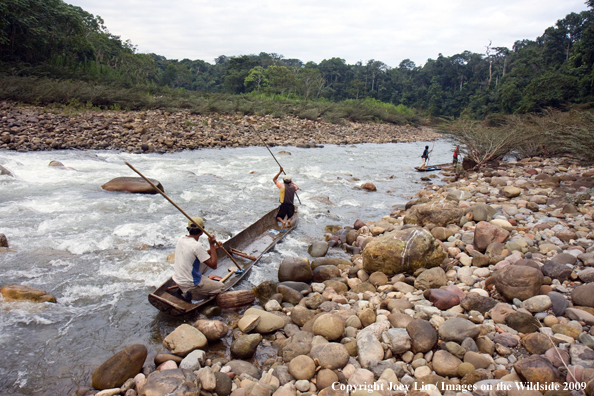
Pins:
x,y
427,168
255,240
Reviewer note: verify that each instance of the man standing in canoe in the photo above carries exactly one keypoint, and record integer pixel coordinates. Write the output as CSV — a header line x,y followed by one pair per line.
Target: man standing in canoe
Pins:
x,y
425,155
287,194
191,261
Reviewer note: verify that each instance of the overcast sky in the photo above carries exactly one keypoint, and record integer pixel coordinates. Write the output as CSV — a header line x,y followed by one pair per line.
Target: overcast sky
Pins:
x,y
313,30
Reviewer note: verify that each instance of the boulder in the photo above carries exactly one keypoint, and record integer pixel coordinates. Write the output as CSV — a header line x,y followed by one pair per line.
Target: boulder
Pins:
x,y
520,282
325,272
422,334
295,269
440,215
403,251
476,302
302,367
268,322
581,296
176,382
135,185
537,369
244,347
369,348
297,344
442,299
329,326
486,233
184,340
213,330
318,249
241,366
331,355
457,329
26,293
433,278
3,241
117,369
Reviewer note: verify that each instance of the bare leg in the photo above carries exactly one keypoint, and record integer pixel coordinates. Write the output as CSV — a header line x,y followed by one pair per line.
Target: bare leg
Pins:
x,y
282,221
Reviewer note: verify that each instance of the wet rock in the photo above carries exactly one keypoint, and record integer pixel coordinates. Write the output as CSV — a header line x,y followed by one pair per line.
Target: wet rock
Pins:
x,y
582,295
325,272
248,323
403,251
193,361
422,334
213,330
135,185
265,290
245,346
433,278
175,382
118,368
3,241
184,339
329,326
318,249
301,315
290,295
26,293
268,322
295,269
520,282
457,329
4,171
330,355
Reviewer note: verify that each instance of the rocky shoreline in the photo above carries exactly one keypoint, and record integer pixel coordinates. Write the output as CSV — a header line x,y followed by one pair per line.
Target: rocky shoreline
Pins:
x,y
31,128
484,284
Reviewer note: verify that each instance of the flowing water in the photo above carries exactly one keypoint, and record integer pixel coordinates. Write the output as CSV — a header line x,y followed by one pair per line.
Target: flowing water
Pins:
x,y
100,253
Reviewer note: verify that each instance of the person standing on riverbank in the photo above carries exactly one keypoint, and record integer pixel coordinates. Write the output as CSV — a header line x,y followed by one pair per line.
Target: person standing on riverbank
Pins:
x,y
456,155
192,260
425,155
287,195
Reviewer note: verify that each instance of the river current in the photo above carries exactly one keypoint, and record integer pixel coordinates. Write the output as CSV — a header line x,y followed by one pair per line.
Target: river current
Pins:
x,y
100,253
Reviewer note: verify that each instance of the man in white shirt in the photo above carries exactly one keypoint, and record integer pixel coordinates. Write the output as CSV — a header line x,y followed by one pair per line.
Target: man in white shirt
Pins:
x,y
192,261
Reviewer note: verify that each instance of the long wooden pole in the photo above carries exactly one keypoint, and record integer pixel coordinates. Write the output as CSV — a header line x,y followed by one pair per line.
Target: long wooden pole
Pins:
x,y
184,213
279,165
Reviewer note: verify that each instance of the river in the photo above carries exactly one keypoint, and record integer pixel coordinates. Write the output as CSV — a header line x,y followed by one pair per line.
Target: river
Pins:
x,y
100,253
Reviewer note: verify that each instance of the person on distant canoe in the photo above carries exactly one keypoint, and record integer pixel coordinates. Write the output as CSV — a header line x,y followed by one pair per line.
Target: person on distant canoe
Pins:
x,y
287,194
425,155
192,261
456,155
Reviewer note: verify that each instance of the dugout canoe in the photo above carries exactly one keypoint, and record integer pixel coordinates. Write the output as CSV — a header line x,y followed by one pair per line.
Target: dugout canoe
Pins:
x,y
427,168
255,240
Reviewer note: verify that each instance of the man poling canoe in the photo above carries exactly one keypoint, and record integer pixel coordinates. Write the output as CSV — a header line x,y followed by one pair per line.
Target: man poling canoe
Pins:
x,y
287,191
192,261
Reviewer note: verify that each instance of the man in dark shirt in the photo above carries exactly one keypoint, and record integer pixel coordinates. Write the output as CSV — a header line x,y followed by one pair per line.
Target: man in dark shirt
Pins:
x,y
287,194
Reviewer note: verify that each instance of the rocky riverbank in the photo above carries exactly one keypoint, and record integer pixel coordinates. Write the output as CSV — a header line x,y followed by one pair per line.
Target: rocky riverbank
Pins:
x,y
484,284
30,128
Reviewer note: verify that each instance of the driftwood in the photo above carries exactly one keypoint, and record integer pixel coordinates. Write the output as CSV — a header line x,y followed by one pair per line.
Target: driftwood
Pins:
x,y
236,298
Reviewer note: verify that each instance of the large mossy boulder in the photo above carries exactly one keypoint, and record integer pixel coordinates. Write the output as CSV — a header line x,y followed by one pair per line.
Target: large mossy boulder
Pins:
x,y
403,251
135,185
26,293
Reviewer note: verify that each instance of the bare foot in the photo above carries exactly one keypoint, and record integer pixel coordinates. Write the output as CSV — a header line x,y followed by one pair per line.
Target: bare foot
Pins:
x,y
284,224
289,223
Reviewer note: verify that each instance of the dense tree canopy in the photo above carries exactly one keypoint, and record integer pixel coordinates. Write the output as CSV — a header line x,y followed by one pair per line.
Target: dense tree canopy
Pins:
x,y
52,38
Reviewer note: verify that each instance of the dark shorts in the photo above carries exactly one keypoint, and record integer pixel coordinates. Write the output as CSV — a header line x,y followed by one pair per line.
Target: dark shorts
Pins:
x,y
286,210
455,160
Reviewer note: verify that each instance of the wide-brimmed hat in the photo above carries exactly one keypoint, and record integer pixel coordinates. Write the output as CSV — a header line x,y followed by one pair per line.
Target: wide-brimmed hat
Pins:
x,y
197,220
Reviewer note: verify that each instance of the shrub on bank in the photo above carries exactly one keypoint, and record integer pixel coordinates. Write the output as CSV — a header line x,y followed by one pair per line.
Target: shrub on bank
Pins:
x,y
46,91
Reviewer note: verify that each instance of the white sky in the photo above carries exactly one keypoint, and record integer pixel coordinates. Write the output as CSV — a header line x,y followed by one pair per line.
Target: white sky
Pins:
x,y
313,30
